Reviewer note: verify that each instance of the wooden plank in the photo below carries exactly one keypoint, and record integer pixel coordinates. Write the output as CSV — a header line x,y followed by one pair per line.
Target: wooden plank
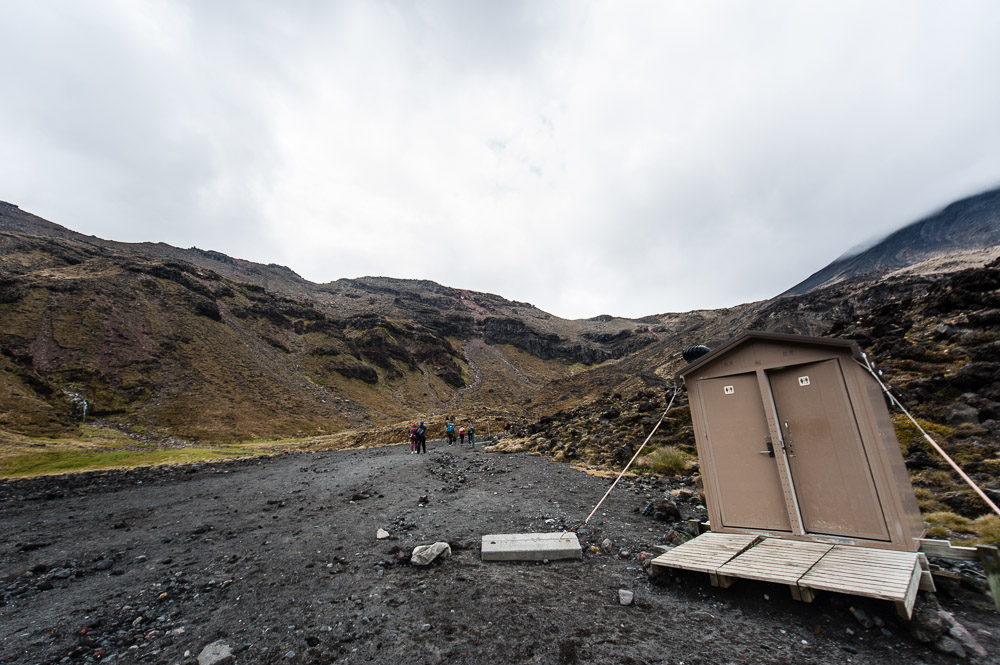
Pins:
x,y
945,550
774,560
990,557
911,591
889,581
927,581
706,552
867,574
721,581
697,526
882,574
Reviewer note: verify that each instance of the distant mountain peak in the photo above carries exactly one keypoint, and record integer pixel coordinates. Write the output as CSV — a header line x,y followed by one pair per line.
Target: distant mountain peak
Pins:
x,y
967,231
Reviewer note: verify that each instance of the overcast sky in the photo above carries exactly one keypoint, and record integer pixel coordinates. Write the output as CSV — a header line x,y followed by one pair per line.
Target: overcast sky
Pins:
x,y
628,158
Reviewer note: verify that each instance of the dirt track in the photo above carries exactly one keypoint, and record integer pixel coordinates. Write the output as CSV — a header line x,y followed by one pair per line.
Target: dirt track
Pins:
x,y
279,559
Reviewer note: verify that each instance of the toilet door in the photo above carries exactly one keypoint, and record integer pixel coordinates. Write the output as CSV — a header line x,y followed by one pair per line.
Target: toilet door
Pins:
x,y
827,460
750,493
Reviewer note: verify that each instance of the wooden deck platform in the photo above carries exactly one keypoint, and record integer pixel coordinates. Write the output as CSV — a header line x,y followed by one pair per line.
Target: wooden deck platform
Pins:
x,y
805,567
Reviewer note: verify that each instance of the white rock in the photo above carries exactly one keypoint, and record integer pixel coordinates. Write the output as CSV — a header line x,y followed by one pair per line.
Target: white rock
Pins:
x,y
381,534
216,653
625,597
424,554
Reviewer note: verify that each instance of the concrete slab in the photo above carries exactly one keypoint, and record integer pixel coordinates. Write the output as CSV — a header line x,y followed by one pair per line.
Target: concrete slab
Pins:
x,y
531,546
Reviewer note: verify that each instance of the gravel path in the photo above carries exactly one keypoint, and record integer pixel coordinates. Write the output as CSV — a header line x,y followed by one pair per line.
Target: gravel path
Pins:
x,y
278,559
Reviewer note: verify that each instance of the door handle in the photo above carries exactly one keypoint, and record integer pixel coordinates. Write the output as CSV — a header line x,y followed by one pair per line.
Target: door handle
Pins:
x,y
770,449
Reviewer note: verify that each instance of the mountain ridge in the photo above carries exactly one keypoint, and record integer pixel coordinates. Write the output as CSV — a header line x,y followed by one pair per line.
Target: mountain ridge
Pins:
x,y
168,342
970,225
203,334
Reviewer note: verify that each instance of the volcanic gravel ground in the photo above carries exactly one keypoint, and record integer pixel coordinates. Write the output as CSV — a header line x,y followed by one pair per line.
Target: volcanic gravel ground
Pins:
x,y
278,558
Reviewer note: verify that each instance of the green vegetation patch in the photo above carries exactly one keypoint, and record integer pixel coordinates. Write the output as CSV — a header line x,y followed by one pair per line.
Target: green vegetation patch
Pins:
x,y
987,530
984,530
64,458
908,434
666,461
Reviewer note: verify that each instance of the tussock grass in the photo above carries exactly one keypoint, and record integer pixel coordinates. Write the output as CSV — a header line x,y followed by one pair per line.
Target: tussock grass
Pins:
x,y
927,501
508,446
987,530
983,530
666,461
933,478
949,520
991,466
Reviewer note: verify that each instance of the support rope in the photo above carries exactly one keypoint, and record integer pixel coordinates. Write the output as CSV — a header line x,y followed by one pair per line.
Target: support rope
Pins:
x,y
659,422
956,467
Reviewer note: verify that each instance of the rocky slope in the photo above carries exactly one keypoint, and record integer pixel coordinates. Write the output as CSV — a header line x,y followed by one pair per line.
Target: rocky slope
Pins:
x,y
194,344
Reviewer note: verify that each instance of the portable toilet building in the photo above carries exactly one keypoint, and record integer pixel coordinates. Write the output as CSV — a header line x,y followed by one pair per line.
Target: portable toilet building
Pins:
x,y
795,442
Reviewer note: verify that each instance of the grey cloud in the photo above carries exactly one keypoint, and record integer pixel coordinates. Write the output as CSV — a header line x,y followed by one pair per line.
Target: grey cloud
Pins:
x,y
588,156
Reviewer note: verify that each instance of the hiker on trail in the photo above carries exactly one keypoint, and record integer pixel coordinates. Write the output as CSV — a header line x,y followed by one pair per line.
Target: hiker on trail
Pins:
x,y
450,431
413,439
472,435
421,433
506,427
461,435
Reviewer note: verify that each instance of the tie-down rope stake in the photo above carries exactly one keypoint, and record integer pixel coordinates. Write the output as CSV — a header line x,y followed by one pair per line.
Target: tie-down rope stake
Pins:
x,y
630,461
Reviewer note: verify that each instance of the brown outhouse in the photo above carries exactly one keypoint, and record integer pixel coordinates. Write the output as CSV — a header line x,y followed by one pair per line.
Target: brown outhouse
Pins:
x,y
795,441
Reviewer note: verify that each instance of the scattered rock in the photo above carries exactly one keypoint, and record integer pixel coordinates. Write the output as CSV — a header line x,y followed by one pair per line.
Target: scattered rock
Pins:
x,y
606,545
423,554
625,597
645,558
216,653
961,634
862,617
704,616
927,622
962,413
666,511
950,646
676,538
381,534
